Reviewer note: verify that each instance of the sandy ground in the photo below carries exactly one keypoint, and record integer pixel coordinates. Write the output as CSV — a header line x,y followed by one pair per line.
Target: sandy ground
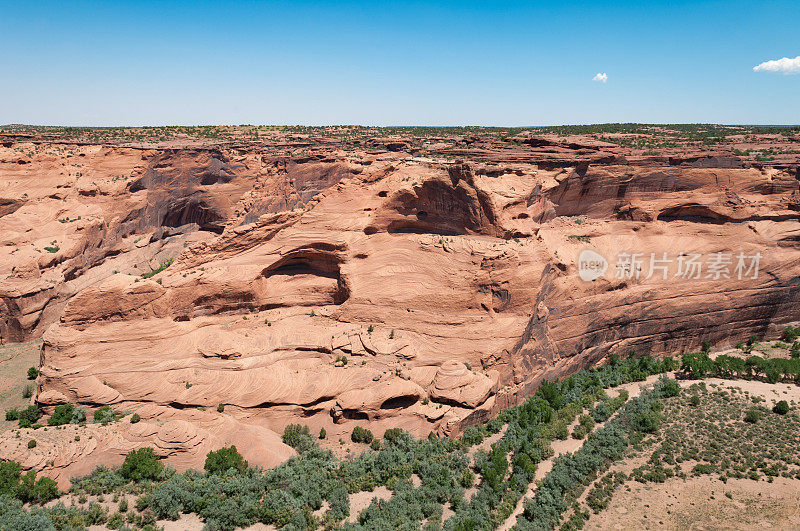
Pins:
x,y
771,392
15,359
361,500
701,503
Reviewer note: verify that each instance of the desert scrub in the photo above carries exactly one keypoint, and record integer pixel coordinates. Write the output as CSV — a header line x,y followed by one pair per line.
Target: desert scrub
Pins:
x,y
725,436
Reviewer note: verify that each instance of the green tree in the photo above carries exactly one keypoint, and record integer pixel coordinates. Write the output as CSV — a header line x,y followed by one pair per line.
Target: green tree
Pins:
x,y
752,415
61,415
141,464
781,408
298,437
361,435
224,459
28,416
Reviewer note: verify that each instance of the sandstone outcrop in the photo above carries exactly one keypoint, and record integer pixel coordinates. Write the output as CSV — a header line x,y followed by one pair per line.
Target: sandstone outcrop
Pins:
x,y
380,287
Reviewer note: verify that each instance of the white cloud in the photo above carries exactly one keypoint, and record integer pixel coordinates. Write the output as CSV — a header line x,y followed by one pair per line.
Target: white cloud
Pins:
x,y
783,65
603,77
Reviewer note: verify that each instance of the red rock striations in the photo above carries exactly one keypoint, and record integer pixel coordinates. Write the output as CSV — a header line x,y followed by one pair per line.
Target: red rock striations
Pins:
x,y
367,285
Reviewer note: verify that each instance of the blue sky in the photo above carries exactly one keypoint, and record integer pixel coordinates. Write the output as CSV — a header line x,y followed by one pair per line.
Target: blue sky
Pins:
x,y
404,63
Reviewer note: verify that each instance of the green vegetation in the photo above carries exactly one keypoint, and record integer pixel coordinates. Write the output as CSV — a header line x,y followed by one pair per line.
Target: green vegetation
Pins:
x,y
67,414
225,460
230,494
727,437
772,370
790,334
781,407
24,487
361,435
141,464
27,417
695,431
159,269
33,373
572,473
105,414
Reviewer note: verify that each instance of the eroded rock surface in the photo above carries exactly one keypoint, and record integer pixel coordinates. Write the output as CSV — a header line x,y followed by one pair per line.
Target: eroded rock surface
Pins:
x,y
373,286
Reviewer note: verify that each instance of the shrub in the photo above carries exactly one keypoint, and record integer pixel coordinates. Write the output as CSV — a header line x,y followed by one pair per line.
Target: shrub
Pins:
x,y
752,415
78,415
790,333
12,414
61,415
394,436
159,269
322,433
223,460
28,416
670,388
33,373
104,415
361,435
32,443
375,444
141,464
781,408
561,430
298,437
27,392
9,477
31,490
221,408
25,487
703,468
694,400
647,422
135,418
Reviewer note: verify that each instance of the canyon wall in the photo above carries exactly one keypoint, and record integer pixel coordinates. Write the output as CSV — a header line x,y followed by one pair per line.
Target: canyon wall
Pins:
x,y
370,287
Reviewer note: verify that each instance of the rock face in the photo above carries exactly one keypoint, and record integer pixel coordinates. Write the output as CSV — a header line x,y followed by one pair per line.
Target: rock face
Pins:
x,y
369,287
